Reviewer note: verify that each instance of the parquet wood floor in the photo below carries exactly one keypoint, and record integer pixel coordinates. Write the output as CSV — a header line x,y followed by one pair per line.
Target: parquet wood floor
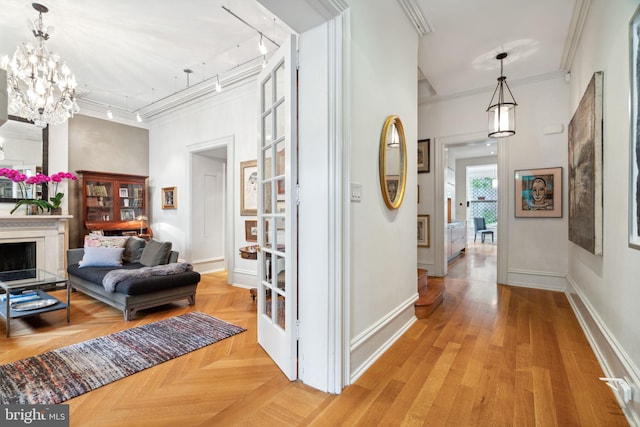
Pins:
x,y
490,355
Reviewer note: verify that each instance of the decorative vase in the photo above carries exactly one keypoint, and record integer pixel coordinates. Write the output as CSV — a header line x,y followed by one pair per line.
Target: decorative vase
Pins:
x,y
56,211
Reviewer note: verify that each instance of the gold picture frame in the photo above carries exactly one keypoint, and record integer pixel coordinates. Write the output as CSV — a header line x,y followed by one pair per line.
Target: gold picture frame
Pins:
x,y
169,197
249,188
424,231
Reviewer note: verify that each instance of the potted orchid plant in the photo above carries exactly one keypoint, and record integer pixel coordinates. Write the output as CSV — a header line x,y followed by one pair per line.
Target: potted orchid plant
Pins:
x,y
52,181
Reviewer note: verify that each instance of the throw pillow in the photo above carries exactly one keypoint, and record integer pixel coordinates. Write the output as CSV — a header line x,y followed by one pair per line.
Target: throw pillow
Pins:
x,y
133,249
155,253
96,256
105,241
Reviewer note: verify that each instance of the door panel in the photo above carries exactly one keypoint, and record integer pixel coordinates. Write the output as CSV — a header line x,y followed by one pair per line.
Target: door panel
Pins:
x,y
277,225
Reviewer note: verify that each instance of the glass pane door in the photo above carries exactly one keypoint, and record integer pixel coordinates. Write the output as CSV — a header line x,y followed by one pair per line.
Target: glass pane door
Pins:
x,y
277,287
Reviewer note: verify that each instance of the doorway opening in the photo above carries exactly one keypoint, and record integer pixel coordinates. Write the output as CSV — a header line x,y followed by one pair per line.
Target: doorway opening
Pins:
x,y
471,198
210,239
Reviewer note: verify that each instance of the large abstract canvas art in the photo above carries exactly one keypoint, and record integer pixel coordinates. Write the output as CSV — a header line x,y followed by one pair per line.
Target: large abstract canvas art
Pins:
x,y
634,152
585,169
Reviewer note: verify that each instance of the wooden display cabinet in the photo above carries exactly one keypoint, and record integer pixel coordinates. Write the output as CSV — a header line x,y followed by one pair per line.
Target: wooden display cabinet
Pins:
x,y
114,203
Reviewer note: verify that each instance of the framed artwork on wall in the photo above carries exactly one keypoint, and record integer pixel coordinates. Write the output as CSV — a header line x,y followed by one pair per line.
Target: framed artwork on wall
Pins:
x,y
634,143
170,198
424,231
249,190
585,169
251,230
423,155
538,193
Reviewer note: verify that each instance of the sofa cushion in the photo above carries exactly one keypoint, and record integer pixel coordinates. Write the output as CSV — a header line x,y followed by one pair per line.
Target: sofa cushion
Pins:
x,y
93,240
101,257
155,253
135,286
133,249
96,274
138,286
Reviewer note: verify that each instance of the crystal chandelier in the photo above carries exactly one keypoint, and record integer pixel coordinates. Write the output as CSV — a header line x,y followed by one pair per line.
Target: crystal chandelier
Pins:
x,y
40,86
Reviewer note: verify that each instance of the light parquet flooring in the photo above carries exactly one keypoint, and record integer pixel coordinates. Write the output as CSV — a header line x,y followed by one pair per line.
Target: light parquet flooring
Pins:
x,y
490,355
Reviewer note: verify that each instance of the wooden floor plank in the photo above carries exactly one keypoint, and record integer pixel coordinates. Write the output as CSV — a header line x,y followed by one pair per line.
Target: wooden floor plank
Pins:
x,y
488,355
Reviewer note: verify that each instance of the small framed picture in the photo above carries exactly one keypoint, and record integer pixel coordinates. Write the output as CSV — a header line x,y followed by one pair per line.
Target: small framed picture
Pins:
x,y
127,215
124,192
392,186
423,155
249,190
424,231
169,197
251,230
538,193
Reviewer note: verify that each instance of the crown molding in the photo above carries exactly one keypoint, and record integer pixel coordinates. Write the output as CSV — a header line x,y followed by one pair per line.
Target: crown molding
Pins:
x,y
328,9
578,18
98,110
416,16
196,91
489,89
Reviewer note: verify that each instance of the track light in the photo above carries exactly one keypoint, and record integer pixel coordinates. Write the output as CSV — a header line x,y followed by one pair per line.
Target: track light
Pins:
x,y
110,114
218,87
261,47
138,117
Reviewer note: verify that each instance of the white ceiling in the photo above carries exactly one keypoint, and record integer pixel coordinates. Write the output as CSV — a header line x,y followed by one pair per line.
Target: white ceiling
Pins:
x,y
128,54
458,55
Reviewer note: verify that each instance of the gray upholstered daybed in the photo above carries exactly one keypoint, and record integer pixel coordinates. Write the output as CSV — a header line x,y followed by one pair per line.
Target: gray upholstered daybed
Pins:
x,y
132,293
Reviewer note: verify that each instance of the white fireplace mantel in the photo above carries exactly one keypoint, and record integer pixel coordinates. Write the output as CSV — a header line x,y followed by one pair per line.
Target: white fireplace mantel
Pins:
x,y
49,232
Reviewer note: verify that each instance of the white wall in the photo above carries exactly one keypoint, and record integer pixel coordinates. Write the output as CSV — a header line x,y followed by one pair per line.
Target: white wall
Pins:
x,y
605,288
383,66
539,104
230,114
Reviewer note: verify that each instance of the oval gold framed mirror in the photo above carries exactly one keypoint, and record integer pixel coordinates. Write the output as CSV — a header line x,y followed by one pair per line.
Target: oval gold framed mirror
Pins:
x,y
393,162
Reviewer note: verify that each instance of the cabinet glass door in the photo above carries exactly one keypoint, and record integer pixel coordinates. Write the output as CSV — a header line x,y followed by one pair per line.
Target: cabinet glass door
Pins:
x,y
99,202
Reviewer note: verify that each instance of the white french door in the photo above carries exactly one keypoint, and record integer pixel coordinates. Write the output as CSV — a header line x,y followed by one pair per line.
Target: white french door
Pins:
x,y
277,209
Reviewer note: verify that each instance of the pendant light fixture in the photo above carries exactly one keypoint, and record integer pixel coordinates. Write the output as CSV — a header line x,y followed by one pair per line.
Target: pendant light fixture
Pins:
x,y
502,111
41,87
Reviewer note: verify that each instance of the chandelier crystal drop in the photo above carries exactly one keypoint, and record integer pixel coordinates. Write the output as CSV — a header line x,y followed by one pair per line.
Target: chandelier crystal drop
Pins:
x,y
41,87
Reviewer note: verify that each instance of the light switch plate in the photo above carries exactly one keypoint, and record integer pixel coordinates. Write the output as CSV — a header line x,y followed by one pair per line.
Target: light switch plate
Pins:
x,y
356,192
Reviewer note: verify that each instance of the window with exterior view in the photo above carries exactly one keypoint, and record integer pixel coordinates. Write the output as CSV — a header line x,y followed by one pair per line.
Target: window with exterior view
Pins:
x,y
484,196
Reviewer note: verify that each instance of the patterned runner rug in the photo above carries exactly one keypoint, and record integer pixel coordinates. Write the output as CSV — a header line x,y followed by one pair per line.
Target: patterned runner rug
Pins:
x,y
62,374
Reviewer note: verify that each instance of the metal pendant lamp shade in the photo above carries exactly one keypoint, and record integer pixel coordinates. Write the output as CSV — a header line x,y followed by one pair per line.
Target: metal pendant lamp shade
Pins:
x,y
502,108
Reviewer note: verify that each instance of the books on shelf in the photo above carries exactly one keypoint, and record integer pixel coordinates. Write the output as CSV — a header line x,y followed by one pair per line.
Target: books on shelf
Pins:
x,y
97,190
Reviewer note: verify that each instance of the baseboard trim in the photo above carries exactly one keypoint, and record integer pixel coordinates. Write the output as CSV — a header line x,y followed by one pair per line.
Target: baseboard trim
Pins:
x,y
368,346
245,278
545,280
212,265
612,358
